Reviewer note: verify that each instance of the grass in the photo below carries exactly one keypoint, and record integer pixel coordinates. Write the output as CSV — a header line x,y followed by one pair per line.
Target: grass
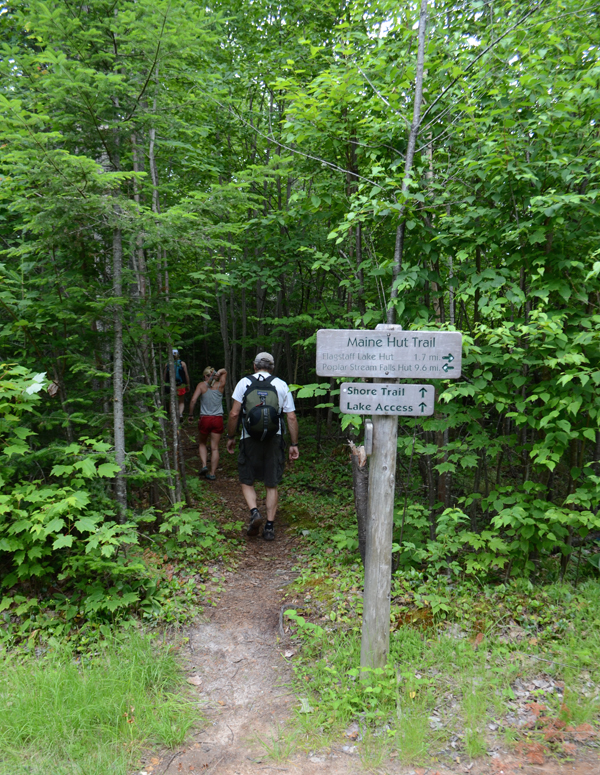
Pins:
x,y
280,746
458,643
90,716
442,686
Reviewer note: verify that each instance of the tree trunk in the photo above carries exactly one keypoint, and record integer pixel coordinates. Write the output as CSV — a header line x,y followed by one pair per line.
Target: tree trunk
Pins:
x,y
286,337
174,412
451,302
408,162
232,381
243,367
186,492
222,305
158,406
118,408
359,271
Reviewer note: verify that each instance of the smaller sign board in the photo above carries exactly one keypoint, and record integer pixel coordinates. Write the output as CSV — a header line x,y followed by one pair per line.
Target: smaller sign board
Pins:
x,y
387,398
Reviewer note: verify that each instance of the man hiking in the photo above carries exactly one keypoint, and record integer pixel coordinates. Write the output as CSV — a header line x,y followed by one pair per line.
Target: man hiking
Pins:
x,y
210,425
260,401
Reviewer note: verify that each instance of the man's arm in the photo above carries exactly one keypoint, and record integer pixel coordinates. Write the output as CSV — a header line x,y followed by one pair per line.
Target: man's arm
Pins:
x,y
292,422
232,423
200,389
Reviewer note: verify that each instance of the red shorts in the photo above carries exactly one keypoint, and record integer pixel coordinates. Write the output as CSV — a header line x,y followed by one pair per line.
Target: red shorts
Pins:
x,y
181,391
208,424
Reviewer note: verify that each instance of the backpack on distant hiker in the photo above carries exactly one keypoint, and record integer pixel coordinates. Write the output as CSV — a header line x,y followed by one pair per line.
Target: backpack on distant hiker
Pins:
x,y
261,417
179,373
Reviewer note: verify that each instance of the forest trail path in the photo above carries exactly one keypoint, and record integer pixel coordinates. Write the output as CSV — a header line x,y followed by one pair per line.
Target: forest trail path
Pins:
x,y
238,657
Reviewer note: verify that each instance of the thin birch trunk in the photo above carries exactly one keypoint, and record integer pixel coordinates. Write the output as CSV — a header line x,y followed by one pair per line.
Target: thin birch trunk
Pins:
x,y
174,412
261,294
118,408
408,163
162,265
359,272
276,350
222,306
244,330
156,396
451,303
286,337
233,375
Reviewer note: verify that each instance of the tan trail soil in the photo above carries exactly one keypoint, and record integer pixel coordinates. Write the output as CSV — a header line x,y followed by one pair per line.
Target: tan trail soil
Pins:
x,y
245,679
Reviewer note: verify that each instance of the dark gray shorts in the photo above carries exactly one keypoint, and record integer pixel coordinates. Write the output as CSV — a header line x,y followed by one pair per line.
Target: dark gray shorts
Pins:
x,y
262,460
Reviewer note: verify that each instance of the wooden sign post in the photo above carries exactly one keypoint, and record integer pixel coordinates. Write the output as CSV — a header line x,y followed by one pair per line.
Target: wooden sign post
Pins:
x,y
385,355
375,642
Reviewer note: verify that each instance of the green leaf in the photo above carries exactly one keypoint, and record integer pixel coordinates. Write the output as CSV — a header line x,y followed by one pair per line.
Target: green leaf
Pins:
x,y
108,470
63,540
86,524
54,526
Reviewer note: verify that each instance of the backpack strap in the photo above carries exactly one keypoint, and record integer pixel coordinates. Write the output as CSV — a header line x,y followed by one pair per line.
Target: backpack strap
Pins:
x,y
268,380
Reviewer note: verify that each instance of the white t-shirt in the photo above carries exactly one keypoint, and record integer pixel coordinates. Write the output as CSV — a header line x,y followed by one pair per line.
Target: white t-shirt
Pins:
x,y
286,399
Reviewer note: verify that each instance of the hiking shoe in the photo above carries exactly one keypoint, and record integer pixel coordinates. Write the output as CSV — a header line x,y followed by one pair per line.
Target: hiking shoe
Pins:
x,y
255,520
211,477
269,532
203,471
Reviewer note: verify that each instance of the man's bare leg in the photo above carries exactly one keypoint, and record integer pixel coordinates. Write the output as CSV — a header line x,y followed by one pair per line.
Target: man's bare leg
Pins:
x,y
272,501
249,494
214,452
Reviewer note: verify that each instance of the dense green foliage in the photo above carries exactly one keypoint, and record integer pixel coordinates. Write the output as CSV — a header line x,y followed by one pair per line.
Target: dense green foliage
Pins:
x,y
231,178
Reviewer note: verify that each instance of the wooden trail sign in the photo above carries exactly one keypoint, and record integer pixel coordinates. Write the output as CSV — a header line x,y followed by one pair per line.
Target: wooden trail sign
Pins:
x,y
391,353
385,355
389,398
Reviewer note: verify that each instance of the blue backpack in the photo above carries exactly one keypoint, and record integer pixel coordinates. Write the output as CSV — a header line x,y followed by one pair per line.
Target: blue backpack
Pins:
x,y
179,373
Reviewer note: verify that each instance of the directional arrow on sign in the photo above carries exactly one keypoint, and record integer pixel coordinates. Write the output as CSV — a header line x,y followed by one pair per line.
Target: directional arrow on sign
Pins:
x,y
447,368
423,406
422,391
448,357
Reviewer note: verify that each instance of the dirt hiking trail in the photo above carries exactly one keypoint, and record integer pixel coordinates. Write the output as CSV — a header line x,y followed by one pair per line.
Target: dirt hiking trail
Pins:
x,y
236,662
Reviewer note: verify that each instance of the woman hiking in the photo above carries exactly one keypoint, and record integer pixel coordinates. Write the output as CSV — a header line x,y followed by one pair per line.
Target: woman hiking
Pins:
x,y
211,391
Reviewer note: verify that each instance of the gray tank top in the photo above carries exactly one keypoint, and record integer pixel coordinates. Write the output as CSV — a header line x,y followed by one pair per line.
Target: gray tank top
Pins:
x,y
212,403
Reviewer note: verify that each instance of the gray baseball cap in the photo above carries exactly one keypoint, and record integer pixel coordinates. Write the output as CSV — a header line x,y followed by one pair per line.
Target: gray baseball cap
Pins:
x,y
265,358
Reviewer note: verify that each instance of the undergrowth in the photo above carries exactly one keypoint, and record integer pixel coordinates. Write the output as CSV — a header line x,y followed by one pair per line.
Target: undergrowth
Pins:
x,y
462,642
167,577
443,685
